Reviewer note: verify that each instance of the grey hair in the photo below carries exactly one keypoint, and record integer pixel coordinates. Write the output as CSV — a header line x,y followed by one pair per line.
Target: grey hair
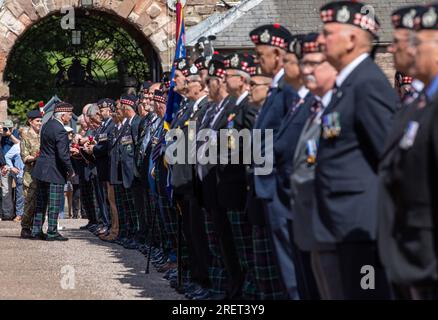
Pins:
x,y
244,75
92,110
58,115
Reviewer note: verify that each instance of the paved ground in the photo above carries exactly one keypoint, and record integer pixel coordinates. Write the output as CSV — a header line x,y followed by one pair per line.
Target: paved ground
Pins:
x,y
43,270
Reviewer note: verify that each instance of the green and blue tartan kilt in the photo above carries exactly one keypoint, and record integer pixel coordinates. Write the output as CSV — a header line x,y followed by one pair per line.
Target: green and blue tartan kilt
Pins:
x,y
266,273
242,236
216,271
133,224
49,198
88,200
118,196
167,210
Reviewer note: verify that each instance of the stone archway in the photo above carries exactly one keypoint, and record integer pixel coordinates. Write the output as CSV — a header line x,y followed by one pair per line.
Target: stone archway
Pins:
x,y
151,18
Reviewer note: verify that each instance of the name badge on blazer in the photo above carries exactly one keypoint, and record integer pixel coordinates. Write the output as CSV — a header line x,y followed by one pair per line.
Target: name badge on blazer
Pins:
x,y
408,139
103,137
331,125
126,140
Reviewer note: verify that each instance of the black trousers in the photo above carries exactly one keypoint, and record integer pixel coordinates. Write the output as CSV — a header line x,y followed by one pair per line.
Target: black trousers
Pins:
x,y
307,286
139,189
76,200
196,238
355,262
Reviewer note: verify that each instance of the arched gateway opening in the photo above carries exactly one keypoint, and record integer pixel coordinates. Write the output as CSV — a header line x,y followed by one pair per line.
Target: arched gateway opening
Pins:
x,y
114,46
102,57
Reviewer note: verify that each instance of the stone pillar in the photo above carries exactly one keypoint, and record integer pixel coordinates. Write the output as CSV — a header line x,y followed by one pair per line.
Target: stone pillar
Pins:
x,y
4,95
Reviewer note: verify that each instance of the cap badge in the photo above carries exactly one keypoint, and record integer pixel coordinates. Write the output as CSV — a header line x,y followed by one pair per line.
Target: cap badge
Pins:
x,y
193,69
235,61
408,19
181,64
429,18
265,37
343,15
211,70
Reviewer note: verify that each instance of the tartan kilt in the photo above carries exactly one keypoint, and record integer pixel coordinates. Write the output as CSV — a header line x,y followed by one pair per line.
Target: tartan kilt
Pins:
x,y
266,273
216,271
49,197
167,210
118,196
132,219
242,235
88,199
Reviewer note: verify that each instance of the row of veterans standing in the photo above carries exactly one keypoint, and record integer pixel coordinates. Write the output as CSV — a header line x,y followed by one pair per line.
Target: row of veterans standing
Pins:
x,y
347,211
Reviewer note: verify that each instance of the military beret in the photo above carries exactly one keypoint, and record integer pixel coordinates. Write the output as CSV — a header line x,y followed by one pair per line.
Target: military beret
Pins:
x,y
129,100
404,18
165,80
34,114
239,61
428,18
159,96
273,35
350,12
63,107
106,103
216,67
146,85
193,71
294,44
202,63
310,43
183,65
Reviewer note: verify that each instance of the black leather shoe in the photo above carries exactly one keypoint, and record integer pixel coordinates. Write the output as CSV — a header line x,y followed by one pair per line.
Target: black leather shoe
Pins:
x,y
85,227
57,237
40,236
26,233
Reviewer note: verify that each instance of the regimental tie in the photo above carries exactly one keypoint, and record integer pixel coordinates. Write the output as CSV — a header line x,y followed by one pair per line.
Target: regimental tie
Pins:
x,y
156,152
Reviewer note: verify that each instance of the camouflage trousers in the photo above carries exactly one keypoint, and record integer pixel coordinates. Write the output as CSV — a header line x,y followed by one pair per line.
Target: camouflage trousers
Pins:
x,y
30,198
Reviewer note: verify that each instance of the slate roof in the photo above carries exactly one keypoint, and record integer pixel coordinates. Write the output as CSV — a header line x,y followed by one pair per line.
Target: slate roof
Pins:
x,y
299,16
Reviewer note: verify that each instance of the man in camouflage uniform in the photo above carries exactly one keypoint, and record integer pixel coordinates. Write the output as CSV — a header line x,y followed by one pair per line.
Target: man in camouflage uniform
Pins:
x,y
30,147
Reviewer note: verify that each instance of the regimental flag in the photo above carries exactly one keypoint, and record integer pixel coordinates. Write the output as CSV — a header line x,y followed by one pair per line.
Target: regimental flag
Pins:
x,y
174,99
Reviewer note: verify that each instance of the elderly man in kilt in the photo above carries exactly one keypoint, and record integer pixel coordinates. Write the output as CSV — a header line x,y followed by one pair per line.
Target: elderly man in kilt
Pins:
x,y
52,169
239,117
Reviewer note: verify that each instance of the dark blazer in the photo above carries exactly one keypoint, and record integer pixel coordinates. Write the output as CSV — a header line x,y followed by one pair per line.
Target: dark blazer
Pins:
x,y
101,150
127,143
54,164
115,155
141,162
183,174
270,117
231,178
346,172
285,144
408,205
